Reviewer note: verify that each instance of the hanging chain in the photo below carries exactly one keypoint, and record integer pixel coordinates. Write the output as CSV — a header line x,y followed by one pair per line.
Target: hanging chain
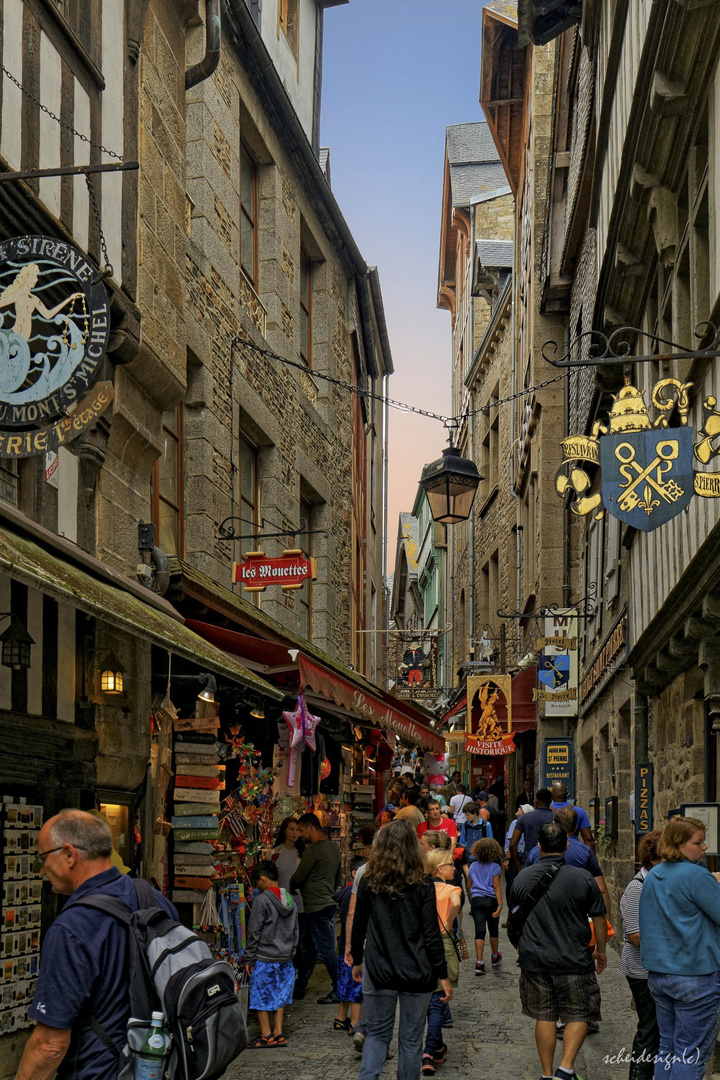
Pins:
x,y
108,271
68,127
450,423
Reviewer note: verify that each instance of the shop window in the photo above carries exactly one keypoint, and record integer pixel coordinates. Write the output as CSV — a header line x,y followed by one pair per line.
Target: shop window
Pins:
x,y
288,17
305,308
118,818
248,215
9,477
167,485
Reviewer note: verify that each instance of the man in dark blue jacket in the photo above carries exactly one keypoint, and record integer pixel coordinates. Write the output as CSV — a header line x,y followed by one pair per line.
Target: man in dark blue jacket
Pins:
x,y
82,964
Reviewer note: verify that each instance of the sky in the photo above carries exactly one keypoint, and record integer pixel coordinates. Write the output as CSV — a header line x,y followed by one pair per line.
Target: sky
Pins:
x,y
396,73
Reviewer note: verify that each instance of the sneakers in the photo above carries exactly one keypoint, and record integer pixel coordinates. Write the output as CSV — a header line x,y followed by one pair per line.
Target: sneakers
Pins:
x,y
566,1075
358,1040
440,1055
428,1065
496,958
480,968
343,1025
329,999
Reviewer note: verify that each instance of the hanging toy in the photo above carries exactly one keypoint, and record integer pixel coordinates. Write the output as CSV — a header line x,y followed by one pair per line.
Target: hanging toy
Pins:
x,y
302,726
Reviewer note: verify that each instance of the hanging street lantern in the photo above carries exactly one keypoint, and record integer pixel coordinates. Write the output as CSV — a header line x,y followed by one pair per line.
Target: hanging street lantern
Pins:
x,y
450,484
111,675
16,642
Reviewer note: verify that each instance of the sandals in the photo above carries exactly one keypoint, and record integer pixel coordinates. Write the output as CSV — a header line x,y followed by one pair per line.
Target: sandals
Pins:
x,y
277,1040
260,1042
342,1025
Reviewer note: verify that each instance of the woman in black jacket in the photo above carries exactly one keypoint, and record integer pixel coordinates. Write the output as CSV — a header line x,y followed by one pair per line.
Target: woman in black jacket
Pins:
x,y
397,950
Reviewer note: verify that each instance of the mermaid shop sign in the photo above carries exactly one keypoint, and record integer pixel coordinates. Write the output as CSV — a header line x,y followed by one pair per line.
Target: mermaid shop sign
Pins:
x,y
54,330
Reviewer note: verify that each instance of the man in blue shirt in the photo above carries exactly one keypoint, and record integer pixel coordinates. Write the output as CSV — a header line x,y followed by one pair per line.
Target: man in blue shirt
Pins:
x,y
559,800
577,854
82,963
529,826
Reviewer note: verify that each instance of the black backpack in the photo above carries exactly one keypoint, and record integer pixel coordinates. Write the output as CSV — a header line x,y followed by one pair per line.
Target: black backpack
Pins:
x,y
171,970
520,913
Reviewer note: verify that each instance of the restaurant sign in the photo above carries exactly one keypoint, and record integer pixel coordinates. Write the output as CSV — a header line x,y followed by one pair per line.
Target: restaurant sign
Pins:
x,y
290,570
54,332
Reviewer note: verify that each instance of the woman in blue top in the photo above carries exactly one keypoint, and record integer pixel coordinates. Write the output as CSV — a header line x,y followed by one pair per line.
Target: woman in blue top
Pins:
x,y
680,946
486,898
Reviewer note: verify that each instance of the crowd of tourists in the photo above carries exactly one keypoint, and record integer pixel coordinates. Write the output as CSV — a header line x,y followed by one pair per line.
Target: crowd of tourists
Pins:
x,y
402,935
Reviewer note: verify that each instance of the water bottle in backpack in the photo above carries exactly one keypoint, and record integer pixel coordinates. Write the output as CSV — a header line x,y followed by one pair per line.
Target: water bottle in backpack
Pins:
x,y
150,1060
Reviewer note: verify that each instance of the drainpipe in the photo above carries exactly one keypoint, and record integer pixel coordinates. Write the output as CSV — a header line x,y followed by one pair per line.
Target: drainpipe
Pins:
x,y
199,72
471,440
386,437
513,379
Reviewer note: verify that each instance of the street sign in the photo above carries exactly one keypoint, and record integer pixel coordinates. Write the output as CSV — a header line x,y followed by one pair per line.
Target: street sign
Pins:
x,y
289,570
643,797
558,764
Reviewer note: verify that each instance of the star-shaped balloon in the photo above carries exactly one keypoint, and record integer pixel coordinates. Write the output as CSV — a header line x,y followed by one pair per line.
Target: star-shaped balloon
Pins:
x,y
302,726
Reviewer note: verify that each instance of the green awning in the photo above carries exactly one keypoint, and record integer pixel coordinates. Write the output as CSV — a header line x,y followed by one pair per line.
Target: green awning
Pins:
x,y
68,583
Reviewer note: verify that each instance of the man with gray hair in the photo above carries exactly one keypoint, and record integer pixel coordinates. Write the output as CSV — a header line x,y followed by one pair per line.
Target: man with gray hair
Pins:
x,y
83,977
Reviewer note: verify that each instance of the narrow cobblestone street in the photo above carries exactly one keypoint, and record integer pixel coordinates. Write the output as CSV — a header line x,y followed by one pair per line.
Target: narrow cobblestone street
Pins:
x,y
490,1036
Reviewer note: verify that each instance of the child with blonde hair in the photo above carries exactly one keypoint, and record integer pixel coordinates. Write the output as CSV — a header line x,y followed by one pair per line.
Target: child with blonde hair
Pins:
x,y
448,898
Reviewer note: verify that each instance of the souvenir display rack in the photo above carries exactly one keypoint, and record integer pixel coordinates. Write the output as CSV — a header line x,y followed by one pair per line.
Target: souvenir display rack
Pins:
x,y
21,911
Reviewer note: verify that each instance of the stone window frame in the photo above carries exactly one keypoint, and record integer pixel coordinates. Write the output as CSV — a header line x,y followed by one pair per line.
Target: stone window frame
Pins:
x,y
159,500
304,595
249,213
289,23
306,287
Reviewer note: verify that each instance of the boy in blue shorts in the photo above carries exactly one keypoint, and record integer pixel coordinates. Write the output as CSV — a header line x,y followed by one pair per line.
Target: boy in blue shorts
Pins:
x,y
272,938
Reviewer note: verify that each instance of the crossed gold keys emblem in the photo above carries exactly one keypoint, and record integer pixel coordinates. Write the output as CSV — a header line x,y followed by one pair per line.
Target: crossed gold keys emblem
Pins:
x,y
646,468
635,475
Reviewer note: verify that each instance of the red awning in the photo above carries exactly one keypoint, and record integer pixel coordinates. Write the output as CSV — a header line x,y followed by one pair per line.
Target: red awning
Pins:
x,y
255,649
377,707
523,706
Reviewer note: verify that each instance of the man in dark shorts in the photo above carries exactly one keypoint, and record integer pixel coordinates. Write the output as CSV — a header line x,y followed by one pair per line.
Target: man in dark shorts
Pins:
x,y
557,969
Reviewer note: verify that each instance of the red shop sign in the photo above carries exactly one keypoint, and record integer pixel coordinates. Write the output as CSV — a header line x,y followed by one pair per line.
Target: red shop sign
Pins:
x,y
289,570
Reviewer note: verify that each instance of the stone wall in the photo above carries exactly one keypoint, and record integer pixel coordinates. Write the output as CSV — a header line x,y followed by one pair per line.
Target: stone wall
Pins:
x,y
301,426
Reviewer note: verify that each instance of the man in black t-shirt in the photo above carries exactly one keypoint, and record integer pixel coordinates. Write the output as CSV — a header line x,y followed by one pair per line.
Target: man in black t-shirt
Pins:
x,y
557,968
529,826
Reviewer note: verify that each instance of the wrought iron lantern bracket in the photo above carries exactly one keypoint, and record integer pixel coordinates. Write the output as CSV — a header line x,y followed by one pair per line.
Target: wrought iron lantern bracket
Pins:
x,y
616,348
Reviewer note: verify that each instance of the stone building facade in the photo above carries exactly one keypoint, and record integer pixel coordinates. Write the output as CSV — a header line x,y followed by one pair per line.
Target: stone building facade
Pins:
x,y
631,241
229,256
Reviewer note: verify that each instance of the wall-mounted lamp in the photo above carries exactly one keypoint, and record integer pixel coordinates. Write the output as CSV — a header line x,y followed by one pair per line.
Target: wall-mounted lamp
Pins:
x,y
209,684
294,654
16,642
111,675
257,703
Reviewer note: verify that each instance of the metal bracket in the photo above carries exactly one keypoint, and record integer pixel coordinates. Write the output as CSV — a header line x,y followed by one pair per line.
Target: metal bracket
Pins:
x,y
616,347
70,170
585,608
225,533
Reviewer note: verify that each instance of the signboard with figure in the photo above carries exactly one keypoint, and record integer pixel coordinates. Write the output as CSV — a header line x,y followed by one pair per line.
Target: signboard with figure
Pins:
x,y
489,715
414,661
54,331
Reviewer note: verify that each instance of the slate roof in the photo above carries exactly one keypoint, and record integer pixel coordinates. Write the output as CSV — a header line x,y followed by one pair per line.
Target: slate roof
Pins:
x,y
497,254
475,167
508,8
409,531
